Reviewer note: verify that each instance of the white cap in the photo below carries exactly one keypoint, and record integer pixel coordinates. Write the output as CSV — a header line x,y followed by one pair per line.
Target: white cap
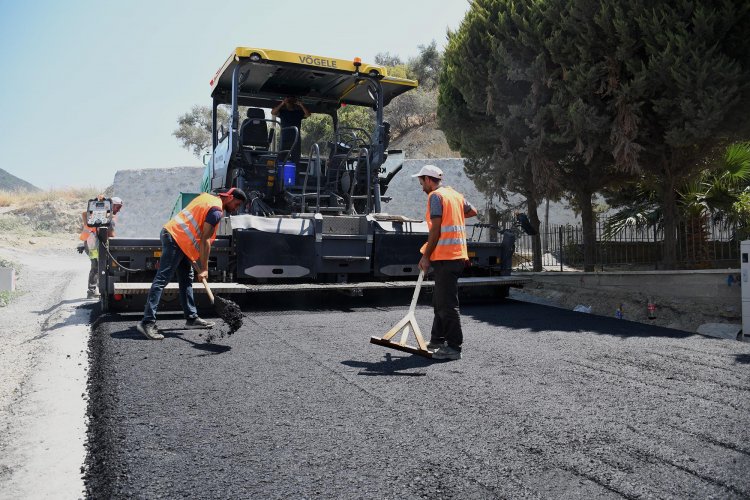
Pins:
x,y
116,200
430,171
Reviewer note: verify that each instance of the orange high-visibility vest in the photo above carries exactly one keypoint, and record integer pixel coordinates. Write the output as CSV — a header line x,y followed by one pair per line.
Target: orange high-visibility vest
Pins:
x,y
88,231
452,242
187,225
89,236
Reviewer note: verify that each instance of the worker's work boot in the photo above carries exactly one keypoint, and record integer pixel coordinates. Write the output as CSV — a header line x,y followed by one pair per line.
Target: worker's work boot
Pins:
x,y
446,352
199,323
149,331
431,346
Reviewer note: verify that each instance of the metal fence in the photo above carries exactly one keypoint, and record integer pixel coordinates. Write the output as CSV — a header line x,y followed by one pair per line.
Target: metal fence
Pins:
x,y
700,245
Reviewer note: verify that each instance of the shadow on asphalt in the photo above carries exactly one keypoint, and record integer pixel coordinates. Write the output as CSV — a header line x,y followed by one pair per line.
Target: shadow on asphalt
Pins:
x,y
283,301
742,359
129,334
392,365
210,348
539,318
133,334
84,304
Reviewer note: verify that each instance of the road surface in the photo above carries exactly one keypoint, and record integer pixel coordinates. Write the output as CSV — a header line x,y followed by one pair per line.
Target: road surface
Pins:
x,y
546,403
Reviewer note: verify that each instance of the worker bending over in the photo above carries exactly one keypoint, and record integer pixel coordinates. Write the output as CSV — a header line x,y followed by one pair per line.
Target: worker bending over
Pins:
x,y
186,241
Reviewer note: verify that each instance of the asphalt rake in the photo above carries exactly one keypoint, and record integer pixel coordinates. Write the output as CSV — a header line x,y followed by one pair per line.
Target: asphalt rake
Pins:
x,y
409,322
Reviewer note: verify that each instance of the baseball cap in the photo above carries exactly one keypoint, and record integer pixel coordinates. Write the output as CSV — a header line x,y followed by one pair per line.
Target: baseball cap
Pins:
x,y
116,200
237,193
430,171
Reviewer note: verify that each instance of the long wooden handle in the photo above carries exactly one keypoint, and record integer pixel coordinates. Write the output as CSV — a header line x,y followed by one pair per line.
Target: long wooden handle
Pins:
x,y
208,290
414,298
205,284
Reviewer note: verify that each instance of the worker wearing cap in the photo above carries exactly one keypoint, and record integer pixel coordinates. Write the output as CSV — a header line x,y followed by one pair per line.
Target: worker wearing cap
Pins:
x,y
445,251
186,241
90,243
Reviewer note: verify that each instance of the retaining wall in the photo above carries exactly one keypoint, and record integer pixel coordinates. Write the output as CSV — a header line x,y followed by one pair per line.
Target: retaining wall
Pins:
x,y
684,299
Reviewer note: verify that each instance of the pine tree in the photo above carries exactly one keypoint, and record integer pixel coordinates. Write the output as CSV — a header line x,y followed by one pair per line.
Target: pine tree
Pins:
x,y
541,96
672,78
495,101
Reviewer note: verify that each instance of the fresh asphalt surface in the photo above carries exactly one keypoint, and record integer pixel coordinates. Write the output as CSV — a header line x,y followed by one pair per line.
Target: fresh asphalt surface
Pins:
x,y
546,403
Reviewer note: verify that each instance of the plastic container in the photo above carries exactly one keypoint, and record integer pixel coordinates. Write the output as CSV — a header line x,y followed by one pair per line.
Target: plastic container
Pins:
x,y
288,174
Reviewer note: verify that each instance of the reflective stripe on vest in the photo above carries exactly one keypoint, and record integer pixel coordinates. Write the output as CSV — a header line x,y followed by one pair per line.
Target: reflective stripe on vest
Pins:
x,y
452,242
186,227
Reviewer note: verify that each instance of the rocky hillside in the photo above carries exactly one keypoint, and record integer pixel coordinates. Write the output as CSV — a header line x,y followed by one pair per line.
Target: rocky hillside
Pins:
x,y
32,218
9,182
424,142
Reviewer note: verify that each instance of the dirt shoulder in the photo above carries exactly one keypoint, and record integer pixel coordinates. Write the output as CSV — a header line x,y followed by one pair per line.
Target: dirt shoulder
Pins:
x,y
43,367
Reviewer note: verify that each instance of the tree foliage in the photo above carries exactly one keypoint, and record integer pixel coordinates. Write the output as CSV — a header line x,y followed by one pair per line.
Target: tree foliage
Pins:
x,y
677,88
572,96
319,128
425,67
495,100
386,59
194,128
417,107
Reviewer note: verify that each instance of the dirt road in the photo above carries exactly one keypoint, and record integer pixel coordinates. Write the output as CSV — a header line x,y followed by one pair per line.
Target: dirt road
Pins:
x,y
43,373
546,403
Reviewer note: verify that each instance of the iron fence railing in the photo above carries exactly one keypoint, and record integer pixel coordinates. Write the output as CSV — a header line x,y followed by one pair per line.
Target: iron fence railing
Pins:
x,y
700,245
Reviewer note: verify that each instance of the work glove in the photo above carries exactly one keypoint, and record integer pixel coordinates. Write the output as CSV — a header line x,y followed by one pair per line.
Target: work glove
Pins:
x,y
80,248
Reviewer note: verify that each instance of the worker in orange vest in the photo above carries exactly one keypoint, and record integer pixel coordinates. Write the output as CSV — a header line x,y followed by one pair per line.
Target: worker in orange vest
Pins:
x,y
186,241
445,251
90,244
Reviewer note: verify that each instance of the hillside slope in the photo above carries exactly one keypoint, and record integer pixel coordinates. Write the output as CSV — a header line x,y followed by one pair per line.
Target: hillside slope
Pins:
x,y
426,141
9,182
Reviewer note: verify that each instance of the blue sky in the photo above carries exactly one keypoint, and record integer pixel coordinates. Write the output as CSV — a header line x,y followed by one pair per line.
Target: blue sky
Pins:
x,y
91,87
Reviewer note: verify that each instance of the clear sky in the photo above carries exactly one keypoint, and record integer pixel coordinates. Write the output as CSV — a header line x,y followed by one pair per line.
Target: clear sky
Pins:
x,y
92,87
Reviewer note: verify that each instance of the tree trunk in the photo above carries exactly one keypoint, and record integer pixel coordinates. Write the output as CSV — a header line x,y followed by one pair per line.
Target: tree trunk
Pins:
x,y
493,220
546,225
536,241
697,253
583,200
669,206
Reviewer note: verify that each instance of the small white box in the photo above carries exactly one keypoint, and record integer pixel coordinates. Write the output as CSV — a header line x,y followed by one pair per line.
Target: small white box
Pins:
x,y
7,279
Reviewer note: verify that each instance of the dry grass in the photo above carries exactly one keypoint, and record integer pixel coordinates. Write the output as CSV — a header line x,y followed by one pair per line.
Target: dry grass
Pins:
x,y
27,198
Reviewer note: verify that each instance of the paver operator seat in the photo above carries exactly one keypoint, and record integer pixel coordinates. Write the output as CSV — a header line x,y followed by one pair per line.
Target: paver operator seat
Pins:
x,y
254,130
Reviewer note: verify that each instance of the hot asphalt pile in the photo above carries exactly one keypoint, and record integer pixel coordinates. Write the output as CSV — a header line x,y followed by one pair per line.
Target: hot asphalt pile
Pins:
x,y
298,404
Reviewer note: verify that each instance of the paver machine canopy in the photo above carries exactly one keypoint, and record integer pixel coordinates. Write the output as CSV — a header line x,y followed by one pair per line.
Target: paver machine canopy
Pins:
x,y
247,153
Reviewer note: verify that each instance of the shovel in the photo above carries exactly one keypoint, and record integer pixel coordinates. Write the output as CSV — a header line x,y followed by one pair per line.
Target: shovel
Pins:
x,y
227,310
403,326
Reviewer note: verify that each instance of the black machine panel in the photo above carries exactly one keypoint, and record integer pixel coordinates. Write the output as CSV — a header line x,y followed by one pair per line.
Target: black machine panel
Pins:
x,y
276,255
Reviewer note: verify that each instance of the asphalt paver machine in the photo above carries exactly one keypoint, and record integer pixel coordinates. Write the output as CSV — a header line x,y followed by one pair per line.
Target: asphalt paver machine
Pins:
x,y
313,222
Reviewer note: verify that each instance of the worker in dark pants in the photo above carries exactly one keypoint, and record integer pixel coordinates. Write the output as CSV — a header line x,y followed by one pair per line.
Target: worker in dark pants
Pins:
x,y
445,251
291,112
90,244
186,241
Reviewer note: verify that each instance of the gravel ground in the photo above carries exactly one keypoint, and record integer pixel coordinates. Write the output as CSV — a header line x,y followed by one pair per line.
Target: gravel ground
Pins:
x,y
546,403
43,364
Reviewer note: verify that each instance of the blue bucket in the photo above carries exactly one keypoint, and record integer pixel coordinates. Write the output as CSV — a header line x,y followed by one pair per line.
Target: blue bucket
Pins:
x,y
288,174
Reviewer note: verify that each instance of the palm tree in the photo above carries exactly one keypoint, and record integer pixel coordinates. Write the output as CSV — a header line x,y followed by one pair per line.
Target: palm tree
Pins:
x,y
715,195
720,193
